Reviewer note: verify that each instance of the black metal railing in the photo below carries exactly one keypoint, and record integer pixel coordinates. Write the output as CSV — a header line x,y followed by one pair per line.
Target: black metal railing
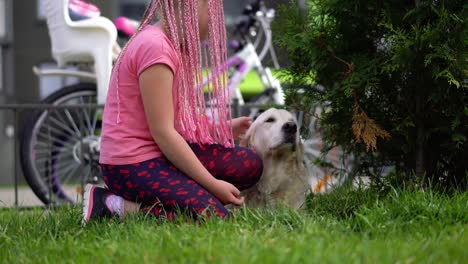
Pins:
x,y
25,111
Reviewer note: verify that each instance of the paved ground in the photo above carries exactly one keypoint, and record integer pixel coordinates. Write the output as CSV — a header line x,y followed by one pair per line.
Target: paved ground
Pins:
x,y
26,197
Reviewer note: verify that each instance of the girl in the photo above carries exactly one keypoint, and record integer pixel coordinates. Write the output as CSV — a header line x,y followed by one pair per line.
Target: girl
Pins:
x,y
158,148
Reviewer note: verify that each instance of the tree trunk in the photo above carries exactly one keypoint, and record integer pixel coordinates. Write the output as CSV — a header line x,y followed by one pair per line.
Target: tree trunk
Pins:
x,y
419,165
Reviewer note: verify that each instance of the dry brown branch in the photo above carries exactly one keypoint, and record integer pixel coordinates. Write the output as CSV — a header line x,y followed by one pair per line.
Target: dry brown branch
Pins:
x,y
366,130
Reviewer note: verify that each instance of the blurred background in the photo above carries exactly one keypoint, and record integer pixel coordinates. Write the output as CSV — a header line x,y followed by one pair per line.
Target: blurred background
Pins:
x,y
24,43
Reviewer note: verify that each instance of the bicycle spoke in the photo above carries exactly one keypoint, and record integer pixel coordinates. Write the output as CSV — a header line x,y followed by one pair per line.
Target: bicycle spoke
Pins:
x,y
95,114
50,140
64,176
44,144
86,114
313,153
52,135
45,160
62,126
54,129
59,168
44,151
76,132
95,121
70,174
46,148
67,113
39,157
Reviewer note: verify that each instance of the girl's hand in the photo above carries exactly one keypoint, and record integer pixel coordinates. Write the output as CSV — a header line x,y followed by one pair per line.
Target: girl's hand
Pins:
x,y
240,125
227,193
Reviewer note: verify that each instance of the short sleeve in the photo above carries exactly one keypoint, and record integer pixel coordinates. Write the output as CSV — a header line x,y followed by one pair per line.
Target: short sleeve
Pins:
x,y
152,49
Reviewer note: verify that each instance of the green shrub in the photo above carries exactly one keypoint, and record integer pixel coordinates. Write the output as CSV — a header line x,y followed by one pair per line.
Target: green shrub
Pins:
x,y
394,77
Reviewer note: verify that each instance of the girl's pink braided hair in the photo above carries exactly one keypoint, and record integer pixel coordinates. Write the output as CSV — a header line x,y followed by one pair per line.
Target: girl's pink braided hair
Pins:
x,y
184,35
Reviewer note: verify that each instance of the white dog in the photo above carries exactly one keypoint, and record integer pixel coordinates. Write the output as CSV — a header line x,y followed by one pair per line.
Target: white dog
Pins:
x,y
275,137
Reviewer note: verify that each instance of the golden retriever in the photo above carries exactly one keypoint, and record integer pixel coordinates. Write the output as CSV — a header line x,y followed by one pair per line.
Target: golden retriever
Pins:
x,y
275,137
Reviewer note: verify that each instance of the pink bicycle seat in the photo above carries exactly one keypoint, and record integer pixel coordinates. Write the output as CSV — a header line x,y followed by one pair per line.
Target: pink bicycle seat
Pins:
x,y
126,25
84,8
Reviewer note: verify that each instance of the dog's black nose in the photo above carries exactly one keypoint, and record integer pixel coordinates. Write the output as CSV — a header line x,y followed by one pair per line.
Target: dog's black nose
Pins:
x,y
290,128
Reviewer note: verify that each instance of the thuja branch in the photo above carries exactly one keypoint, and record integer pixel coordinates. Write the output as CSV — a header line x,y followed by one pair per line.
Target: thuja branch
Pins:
x,y
349,65
365,129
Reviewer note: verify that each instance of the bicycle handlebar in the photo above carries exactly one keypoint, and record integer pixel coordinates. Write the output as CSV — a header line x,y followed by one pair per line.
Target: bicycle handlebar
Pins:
x,y
253,7
257,15
248,17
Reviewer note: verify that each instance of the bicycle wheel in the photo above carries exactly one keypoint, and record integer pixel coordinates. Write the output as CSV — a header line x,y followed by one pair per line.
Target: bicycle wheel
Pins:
x,y
328,170
59,147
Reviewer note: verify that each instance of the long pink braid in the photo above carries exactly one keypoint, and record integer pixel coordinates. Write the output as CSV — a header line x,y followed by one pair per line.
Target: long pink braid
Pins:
x,y
190,116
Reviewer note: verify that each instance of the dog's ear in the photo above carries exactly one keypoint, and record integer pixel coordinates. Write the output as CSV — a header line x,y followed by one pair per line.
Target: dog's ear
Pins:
x,y
249,137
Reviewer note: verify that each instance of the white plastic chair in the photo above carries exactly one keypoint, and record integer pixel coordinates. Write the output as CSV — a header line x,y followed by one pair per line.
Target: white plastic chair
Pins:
x,y
89,40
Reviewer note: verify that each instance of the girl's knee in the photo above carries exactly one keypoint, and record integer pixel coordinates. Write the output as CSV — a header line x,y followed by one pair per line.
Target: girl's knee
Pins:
x,y
258,168
253,168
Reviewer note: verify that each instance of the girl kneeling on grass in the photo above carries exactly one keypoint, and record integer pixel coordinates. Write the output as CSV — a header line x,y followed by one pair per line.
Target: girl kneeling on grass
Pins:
x,y
158,148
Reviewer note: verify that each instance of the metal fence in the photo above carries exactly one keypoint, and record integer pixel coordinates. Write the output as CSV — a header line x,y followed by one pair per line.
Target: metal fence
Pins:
x,y
23,113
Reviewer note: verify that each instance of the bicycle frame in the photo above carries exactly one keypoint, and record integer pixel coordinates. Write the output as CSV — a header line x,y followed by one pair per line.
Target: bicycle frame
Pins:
x,y
248,59
84,75
245,61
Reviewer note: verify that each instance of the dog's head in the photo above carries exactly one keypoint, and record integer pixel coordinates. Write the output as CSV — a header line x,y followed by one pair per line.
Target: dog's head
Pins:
x,y
273,130
274,135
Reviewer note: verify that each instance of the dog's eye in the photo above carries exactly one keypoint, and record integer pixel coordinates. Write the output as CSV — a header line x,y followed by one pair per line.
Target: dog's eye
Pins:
x,y
270,120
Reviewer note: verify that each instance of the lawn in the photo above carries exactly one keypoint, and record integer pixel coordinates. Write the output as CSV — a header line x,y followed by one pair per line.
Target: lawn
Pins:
x,y
343,227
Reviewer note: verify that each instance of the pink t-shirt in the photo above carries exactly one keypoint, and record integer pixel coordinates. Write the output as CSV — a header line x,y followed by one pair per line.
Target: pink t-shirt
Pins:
x,y
126,137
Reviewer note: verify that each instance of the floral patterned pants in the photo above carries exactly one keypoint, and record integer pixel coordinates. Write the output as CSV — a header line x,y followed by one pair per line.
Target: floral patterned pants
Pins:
x,y
163,190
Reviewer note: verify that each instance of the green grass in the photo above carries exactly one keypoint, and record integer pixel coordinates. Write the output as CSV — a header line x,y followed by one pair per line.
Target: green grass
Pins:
x,y
342,227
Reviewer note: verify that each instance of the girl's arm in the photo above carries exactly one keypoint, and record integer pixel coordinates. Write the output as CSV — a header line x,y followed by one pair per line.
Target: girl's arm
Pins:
x,y
156,90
